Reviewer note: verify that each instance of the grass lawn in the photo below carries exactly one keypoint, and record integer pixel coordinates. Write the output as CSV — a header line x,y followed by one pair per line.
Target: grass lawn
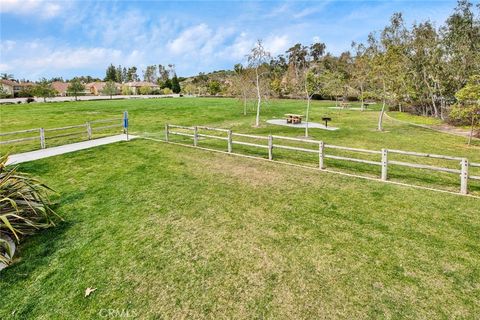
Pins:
x,y
163,231
416,119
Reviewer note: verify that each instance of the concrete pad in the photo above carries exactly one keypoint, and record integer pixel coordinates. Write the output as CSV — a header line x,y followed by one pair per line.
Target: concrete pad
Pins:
x,y
355,109
311,125
54,151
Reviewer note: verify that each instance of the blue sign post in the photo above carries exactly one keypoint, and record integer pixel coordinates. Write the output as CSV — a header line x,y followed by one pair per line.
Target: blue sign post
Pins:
x,y
125,123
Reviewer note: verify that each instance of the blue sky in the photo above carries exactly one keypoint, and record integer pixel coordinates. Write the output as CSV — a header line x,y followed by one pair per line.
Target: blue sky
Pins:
x,y
41,38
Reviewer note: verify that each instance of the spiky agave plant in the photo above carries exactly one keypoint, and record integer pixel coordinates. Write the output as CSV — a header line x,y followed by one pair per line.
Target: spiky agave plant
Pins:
x,y
24,207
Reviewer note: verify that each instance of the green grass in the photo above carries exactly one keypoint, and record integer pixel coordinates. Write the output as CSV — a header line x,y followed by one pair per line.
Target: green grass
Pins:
x,y
416,119
164,231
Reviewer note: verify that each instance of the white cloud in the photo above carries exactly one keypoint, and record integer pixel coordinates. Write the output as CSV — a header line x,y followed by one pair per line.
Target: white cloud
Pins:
x,y
239,48
38,59
311,10
191,39
276,44
41,8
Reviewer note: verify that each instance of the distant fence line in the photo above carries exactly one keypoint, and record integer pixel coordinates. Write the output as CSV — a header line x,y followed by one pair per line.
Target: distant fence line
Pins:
x,y
383,162
42,136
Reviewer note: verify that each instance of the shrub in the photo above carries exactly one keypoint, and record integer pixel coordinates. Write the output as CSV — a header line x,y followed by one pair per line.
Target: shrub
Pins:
x,y
126,90
167,91
29,100
144,90
25,207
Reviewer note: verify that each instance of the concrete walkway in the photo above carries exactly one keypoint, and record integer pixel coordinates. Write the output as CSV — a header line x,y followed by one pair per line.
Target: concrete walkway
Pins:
x,y
54,151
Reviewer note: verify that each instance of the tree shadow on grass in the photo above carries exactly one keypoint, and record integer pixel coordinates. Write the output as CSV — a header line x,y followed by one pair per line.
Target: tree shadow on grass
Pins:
x,y
34,251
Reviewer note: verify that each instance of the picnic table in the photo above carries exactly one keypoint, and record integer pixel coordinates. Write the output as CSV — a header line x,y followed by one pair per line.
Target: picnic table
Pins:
x,y
345,104
294,118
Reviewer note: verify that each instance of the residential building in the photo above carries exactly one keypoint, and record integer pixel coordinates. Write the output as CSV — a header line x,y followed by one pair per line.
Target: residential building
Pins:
x,y
61,88
96,88
14,87
136,85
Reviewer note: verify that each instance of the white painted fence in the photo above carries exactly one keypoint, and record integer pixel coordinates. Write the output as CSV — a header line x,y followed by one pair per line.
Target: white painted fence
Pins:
x,y
384,162
42,135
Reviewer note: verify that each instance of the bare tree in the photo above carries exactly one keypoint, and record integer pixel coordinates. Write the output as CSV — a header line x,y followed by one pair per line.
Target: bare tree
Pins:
x,y
257,60
243,85
312,82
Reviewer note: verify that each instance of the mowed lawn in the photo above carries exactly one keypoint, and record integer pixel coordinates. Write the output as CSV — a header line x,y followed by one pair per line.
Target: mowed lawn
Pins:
x,y
163,231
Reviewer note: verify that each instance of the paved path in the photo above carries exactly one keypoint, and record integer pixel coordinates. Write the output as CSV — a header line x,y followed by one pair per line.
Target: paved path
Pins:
x,y
54,151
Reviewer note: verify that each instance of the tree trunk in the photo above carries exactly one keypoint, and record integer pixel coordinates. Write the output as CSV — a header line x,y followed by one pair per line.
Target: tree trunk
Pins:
x,y
306,115
244,104
434,106
380,118
259,101
361,98
471,130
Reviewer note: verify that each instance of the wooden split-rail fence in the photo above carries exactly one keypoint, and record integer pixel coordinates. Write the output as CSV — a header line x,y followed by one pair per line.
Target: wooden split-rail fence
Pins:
x,y
321,147
42,135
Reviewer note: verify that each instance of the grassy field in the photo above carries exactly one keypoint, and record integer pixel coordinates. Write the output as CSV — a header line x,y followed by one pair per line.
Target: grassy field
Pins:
x,y
163,231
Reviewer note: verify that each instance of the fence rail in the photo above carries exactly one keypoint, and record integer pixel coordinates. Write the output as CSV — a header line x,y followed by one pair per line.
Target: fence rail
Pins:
x,y
384,161
42,133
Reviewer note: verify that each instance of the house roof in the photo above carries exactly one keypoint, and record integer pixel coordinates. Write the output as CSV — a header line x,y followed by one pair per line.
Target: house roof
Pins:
x,y
141,84
60,86
9,82
99,85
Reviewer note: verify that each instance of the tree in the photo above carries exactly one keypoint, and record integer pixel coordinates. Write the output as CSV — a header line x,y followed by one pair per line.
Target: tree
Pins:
x,y
317,50
257,60
111,73
313,85
144,90
150,74
4,93
126,90
214,87
110,89
43,89
242,84
468,106
175,84
132,74
75,87
166,91
360,71
188,89
461,39
6,76
118,74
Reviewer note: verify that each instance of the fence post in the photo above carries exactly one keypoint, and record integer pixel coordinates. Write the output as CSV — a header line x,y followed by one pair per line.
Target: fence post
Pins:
x,y
195,136
321,155
166,132
42,138
270,147
464,176
89,130
229,139
125,123
384,164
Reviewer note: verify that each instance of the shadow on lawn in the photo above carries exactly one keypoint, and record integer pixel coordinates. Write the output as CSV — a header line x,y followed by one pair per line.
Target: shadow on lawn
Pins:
x,y
34,251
